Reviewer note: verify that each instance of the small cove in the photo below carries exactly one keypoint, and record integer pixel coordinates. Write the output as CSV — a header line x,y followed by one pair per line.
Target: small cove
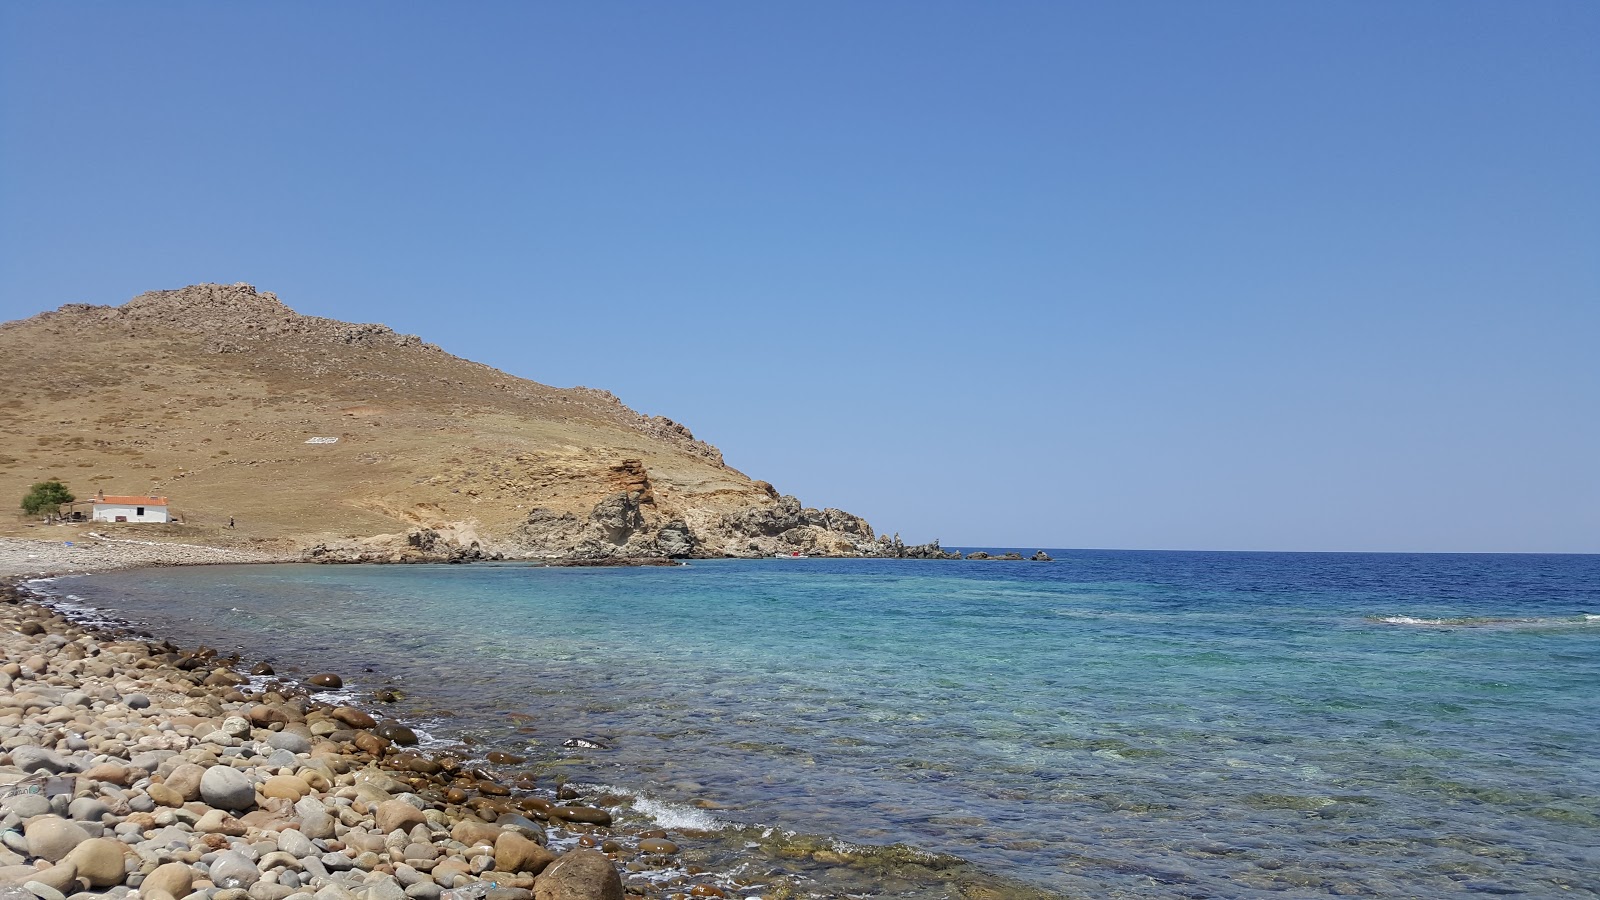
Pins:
x,y
1114,724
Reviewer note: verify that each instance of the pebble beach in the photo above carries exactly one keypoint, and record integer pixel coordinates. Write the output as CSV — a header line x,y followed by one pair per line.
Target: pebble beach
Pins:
x,y
133,767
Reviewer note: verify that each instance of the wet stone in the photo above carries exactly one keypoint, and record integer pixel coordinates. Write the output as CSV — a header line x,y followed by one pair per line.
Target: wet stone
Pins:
x,y
400,734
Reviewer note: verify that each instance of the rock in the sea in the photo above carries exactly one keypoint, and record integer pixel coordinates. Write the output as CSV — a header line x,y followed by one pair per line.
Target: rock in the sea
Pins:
x,y
353,717
52,837
223,787
588,815
400,734
579,875
326,680
99,861
1041,556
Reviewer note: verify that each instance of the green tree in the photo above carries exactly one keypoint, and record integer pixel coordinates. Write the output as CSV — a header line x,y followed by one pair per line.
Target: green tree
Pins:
x,y
47,497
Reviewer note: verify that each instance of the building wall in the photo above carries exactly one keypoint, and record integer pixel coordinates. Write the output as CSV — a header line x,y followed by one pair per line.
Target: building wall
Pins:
x,y
108,512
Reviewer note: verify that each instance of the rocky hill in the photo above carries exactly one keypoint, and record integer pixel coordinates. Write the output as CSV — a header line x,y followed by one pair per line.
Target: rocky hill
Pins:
x,y
211,395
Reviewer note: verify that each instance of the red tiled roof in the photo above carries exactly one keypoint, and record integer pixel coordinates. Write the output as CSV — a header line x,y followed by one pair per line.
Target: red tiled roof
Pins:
x,y
133,501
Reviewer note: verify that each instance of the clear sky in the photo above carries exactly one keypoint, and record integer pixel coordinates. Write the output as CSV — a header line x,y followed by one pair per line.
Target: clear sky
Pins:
x,y
1224,275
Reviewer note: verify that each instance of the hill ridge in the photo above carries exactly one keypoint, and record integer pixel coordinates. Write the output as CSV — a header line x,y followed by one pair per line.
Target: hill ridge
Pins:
x,y
211,391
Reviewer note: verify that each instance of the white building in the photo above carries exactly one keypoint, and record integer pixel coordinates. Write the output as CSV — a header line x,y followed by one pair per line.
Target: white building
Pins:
x,y
130,509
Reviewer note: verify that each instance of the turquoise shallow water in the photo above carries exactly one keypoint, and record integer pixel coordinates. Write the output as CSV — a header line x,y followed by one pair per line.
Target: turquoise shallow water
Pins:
x,y
1111,724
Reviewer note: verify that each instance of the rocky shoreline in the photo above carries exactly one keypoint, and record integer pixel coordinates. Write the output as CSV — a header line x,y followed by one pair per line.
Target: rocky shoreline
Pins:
x,y
133,765
115,725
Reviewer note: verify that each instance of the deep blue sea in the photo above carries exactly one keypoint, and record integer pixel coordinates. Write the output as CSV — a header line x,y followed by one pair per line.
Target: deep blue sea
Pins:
x,y
1112,724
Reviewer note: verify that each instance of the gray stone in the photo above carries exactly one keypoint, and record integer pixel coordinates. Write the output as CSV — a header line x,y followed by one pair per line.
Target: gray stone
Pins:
x,y
32,759
151,760
136,701
295,844
288,740
87,809
232,869
424,890
227,788
281,759
382,889
26,806
44,891
269,890
53,838
337,862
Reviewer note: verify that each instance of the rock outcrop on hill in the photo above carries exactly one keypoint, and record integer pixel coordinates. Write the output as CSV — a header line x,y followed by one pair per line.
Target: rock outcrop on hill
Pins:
x,y
355,442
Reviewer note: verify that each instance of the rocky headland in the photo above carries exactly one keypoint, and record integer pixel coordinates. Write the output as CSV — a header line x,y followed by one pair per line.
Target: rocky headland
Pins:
x,y
335,441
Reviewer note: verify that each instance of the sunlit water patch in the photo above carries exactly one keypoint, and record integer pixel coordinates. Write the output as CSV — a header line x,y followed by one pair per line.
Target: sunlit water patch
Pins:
x,y
1110,724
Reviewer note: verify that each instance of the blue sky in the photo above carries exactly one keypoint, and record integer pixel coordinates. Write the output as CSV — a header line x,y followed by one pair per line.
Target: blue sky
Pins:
x,y
1233,275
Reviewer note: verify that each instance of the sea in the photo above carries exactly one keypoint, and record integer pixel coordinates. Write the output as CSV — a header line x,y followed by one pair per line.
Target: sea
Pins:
x,y
1109,724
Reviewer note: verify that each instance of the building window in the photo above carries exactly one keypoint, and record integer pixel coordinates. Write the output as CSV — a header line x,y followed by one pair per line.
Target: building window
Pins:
x,y
138,511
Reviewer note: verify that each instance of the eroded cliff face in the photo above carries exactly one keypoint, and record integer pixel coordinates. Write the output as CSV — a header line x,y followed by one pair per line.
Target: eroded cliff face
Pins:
x,y
631,523
209,394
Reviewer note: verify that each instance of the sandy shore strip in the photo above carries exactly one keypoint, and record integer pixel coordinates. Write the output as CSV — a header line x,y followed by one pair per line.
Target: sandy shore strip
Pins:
x,y
98,553
133,768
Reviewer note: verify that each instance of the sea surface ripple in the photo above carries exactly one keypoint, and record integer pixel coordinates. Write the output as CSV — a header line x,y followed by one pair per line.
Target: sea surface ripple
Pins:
x,y
1111,724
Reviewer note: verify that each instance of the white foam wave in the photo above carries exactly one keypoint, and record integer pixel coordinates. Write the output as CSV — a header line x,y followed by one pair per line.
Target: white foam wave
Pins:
x,y
678,816
1410,620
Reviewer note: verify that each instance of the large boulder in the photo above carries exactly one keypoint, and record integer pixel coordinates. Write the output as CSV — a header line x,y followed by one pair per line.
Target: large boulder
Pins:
x,y
172,878
579,875
99,862
398,815
515,853
52,837
223,787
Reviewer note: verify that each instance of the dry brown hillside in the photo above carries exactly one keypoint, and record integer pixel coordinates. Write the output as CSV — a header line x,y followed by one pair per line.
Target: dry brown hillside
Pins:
x,y
208,395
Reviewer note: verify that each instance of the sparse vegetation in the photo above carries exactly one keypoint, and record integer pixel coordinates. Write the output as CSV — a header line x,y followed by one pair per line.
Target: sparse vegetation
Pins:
x,y
46,498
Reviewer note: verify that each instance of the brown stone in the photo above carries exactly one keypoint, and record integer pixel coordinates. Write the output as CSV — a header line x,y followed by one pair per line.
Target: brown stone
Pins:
x,y
290,787
579,875
588,815
185,779
353,717
110,773
397,815
99,861
515,853
471,833
173,878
